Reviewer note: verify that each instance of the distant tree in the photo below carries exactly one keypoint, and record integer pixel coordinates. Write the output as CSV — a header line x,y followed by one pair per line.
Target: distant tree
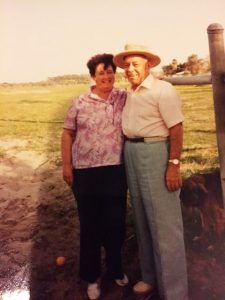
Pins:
x,y
173,68
204,65
193,66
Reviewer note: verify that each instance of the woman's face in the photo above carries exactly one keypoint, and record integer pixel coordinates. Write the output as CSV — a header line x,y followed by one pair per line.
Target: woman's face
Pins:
x,y
104,78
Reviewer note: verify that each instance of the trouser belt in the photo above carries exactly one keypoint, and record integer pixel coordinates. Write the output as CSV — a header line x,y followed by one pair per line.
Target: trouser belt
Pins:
x,y
146,139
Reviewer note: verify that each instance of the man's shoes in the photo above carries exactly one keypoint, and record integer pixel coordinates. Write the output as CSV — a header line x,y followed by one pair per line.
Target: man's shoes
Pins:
x,y
122,282
93,291
143,288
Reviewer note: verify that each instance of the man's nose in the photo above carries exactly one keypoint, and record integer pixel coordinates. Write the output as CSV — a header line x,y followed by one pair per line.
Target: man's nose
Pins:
x,y
130,68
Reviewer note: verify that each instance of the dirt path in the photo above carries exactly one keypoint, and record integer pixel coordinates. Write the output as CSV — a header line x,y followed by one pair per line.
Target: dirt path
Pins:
x,y
39,223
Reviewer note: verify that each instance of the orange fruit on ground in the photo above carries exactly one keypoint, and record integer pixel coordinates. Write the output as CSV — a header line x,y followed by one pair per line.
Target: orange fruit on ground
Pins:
x,y
60,260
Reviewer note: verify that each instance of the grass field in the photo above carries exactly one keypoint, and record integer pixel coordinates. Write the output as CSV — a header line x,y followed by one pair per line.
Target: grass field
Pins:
x,y
36,114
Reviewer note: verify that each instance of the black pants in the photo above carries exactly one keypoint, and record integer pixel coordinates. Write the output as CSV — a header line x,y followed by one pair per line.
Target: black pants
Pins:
x,y
101,200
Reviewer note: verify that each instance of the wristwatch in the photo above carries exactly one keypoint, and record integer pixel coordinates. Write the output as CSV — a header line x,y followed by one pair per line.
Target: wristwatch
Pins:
x,y
174,161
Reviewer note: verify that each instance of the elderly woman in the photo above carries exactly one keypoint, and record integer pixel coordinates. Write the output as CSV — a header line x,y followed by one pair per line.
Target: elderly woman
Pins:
x,y
92,143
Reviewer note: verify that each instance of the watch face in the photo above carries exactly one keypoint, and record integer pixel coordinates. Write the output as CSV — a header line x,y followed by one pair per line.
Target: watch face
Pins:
x,y
174,161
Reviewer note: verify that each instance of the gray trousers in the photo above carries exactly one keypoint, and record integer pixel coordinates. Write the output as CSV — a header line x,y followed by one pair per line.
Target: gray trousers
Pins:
x,y
158,218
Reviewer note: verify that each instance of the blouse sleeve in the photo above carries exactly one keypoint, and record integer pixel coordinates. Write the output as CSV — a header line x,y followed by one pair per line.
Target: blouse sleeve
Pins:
x,y
70,119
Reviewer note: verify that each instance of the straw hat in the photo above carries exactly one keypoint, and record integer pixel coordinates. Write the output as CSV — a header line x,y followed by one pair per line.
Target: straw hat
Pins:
x,y
131,49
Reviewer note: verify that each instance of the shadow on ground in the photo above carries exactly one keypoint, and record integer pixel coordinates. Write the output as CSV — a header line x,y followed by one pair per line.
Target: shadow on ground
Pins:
x,y
39,223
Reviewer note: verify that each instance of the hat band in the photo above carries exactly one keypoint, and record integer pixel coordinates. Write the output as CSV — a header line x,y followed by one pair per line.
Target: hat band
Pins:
x,y
134,54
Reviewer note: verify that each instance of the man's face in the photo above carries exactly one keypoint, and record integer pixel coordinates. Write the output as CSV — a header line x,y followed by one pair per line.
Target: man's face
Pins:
x,y
136,69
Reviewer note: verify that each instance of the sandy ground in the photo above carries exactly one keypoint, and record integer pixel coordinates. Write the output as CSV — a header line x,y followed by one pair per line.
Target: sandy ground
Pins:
x,y
39,223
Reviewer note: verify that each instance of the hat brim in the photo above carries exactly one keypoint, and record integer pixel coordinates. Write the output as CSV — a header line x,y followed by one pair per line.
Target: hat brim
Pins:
x,y
119,58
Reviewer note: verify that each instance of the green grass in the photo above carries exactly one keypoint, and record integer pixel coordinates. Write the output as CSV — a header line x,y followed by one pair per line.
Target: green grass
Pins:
x,y
36,114
200,146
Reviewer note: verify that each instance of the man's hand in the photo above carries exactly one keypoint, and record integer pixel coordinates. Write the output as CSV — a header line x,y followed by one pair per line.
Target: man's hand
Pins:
x,y
173,177
68,175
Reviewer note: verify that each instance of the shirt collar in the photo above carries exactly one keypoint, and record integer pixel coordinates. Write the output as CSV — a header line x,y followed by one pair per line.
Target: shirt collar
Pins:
x,y
94,96
146,84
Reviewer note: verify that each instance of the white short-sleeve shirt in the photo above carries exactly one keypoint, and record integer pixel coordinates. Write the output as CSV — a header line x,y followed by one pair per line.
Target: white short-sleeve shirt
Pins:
x,y
151,109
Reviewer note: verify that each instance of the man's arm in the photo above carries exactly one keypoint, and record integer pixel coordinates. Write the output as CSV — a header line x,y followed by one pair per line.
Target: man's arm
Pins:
x,y
66,150
173,175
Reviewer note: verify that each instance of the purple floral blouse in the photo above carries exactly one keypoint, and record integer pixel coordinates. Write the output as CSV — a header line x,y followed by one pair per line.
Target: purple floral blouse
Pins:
x,y
97,125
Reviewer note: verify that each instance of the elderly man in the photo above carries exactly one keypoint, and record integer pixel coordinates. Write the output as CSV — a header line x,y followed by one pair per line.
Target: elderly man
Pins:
x,y
152,123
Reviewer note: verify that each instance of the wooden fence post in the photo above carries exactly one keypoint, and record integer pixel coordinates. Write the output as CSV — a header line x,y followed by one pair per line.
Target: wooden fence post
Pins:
x,y
217,60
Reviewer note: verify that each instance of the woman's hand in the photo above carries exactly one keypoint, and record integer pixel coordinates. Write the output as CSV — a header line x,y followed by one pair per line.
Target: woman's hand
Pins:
x,y
68,175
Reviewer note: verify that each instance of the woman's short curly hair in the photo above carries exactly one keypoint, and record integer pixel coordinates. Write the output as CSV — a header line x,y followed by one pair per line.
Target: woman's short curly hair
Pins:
x,y
106,59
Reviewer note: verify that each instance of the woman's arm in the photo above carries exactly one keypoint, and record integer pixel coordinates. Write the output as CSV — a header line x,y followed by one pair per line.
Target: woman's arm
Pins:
x,y
66,150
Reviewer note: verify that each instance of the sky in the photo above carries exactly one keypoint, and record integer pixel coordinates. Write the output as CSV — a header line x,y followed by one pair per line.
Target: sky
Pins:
x,y
44,38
